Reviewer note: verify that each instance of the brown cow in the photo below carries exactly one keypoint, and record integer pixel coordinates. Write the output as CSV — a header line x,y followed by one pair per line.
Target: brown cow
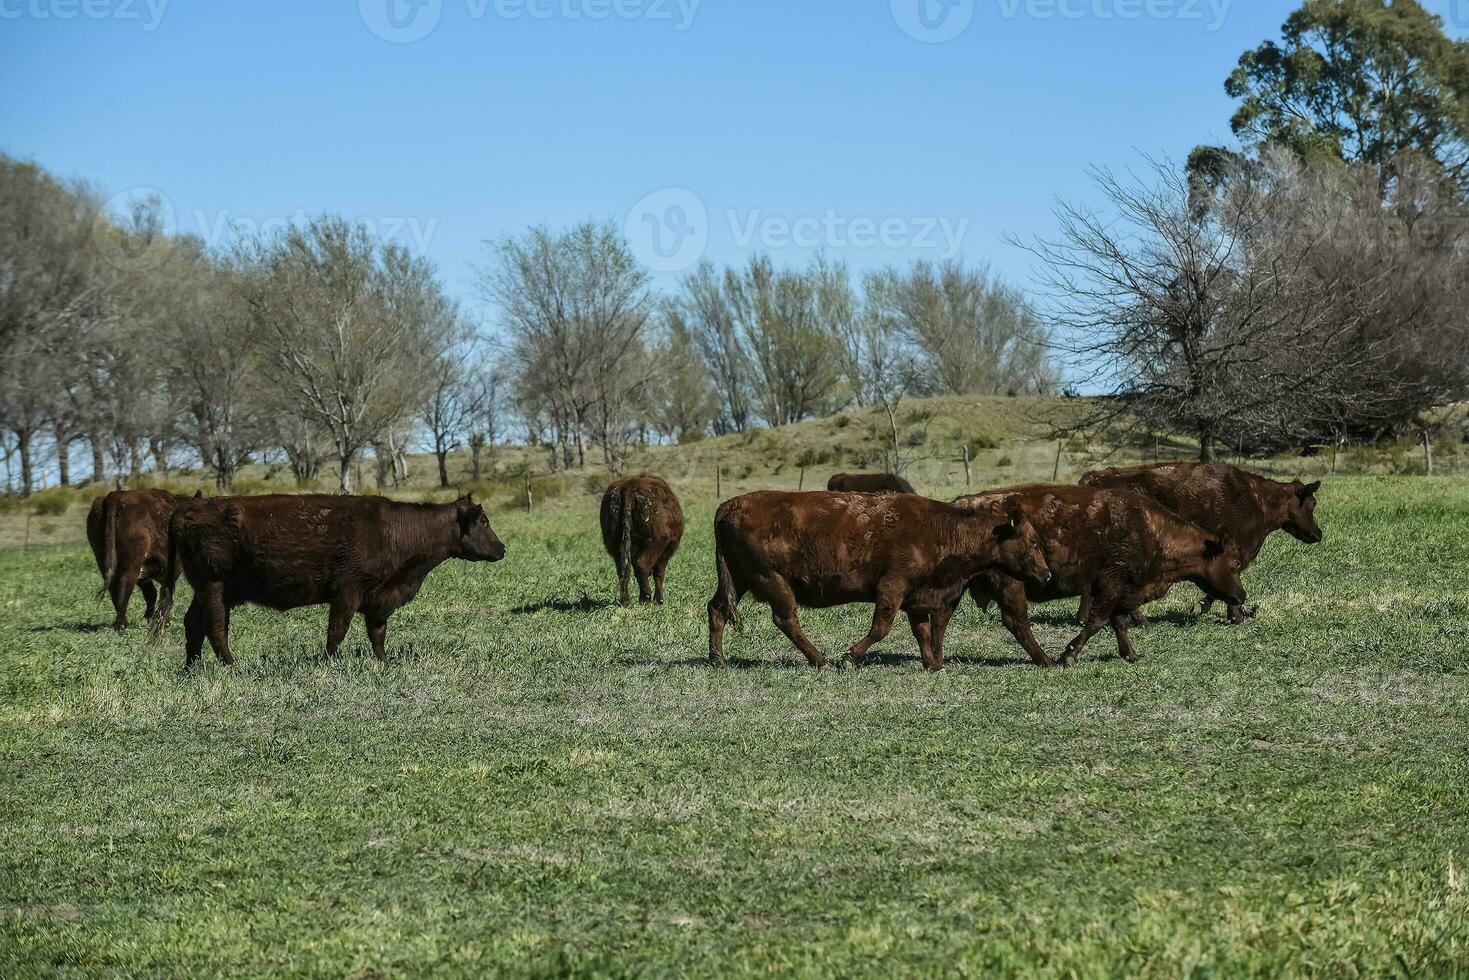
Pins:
x,y
898,551
1242,509
357,554
128,532
869,483
642,524
1119,547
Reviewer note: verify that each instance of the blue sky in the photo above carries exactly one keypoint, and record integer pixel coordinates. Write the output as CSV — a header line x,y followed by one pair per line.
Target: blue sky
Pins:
x,y
729,121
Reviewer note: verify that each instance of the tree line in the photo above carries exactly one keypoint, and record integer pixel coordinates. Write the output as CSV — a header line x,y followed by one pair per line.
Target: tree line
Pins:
x,y
320,346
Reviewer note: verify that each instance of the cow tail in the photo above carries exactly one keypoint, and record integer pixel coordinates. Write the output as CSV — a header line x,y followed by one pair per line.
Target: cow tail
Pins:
x,y
109,542
726,585
163,609
624,544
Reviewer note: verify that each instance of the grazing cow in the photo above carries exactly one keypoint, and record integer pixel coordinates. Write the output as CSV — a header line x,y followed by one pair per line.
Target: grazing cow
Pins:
x,y
1240,508
357,554
128,532
1118,547
642,524
869,483
898,551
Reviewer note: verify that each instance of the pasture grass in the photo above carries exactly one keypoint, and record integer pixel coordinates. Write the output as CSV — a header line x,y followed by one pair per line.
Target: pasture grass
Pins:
x,y
541,783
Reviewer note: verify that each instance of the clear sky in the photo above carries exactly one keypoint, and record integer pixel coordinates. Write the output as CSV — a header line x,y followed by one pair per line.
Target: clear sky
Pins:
x,y
880,130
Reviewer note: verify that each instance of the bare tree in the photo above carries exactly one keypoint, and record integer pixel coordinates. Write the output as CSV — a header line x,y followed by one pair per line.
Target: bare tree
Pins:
x,y
706,313
455,396
350,328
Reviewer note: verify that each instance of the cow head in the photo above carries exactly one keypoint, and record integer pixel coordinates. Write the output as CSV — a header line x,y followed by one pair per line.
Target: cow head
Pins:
x,y
1219,573
1300,512
477,541
1019,547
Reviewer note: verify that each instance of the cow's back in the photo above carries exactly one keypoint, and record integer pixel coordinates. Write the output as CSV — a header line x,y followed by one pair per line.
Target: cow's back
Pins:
x,y
1217,497
869,483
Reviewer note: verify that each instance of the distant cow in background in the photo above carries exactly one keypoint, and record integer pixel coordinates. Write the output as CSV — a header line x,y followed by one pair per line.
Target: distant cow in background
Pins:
x,y
1118,547
357,554
642,525
1240,508
900,552
869,483
128,532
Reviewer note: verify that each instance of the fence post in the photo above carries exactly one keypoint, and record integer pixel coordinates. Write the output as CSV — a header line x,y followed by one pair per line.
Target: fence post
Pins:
x,y
801,483
718,488
1427,454
966,464
529,499
1056,474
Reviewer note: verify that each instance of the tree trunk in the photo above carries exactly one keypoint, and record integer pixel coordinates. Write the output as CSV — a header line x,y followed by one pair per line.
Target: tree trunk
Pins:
x,y
1208,451
23,446
63,458
99,459
474,453
344,477
443,455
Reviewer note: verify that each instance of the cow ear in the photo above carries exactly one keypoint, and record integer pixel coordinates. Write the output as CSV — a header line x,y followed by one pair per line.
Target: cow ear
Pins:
x,y
1212,548
1309,490
198,494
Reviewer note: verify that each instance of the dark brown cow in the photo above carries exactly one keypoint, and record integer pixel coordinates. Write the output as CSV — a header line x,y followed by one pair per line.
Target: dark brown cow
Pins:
x,y
128,532
1242,509
1119,547
642,524
357,554
898,551
869,483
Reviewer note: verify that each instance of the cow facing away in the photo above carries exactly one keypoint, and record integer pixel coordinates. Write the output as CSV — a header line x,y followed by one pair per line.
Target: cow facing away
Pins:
x,y
363,555
899,552
1119,547
642,524
869,483
128,532
1240,508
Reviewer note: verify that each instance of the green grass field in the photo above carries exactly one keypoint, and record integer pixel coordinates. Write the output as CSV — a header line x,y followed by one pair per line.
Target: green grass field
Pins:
x,y
540,783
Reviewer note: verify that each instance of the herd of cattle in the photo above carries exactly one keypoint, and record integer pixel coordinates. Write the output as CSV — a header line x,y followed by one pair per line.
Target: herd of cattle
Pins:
x,y
1118,541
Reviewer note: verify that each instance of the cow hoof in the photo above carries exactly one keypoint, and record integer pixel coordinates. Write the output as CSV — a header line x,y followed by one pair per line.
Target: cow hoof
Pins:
x,y
718,663
1069,660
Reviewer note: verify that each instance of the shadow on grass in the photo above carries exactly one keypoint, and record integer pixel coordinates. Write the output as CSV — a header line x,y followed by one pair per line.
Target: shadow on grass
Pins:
x,y
585,604
85,628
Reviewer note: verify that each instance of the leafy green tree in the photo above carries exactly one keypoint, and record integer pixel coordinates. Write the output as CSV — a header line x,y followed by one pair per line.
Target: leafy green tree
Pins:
x,y
1359,81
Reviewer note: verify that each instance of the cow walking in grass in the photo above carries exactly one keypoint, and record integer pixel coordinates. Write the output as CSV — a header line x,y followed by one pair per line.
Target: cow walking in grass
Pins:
x,y
1119,548
642,525
363,555
128,533
1239,508
869,483
902,553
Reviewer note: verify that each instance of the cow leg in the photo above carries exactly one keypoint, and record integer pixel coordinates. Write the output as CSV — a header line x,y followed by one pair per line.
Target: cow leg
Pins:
x,y
1085,612
922,632
1015,614
194,631
1140,619
659,573
1120,623
1238,615
721,612
645,594
888,601
122,593
377,634
622,596
783,612
339,621
939,624
150,596
1205,604
217,622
